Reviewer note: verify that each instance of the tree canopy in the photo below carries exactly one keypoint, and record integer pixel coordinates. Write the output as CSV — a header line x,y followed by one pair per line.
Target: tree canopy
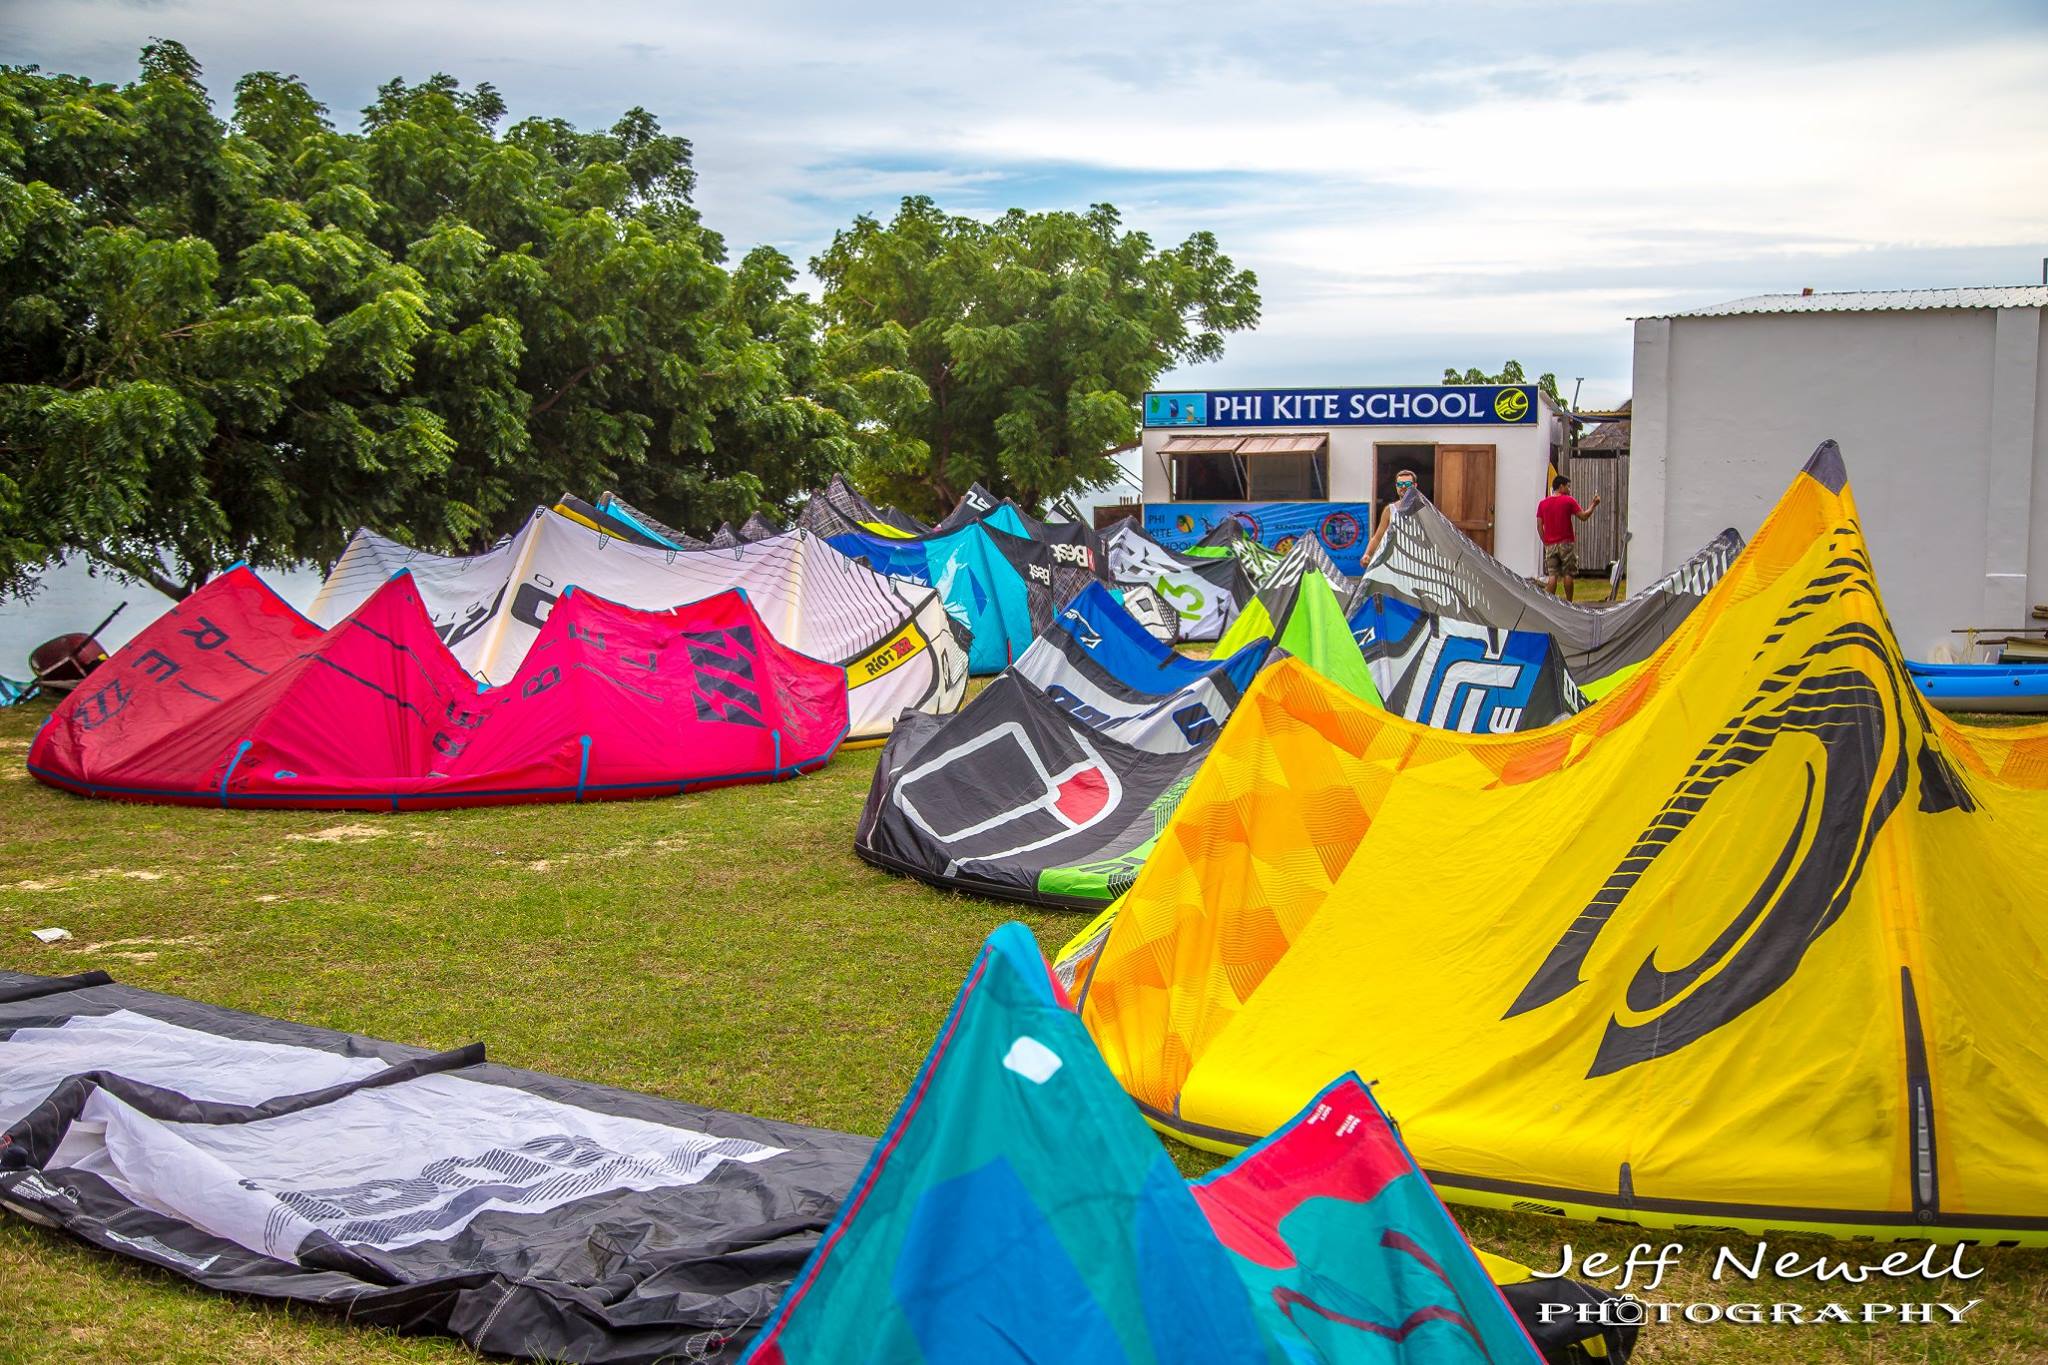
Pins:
x,y
1510,373
237,339
1013,352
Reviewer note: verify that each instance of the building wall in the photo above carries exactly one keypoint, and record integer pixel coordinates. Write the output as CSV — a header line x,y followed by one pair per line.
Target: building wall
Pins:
x,y
1521,469
1939,417
72,595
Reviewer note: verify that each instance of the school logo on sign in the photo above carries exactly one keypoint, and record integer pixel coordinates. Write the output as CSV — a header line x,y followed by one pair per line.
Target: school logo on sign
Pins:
x,y
1176,409
1511,405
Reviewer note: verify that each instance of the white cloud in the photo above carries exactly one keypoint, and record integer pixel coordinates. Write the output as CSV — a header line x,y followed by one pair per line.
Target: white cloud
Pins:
x,y
1414,186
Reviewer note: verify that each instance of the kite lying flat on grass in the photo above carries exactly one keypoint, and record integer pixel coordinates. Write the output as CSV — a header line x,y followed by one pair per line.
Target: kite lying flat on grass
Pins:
x,y
1754,941
891,643
231,698
524,1213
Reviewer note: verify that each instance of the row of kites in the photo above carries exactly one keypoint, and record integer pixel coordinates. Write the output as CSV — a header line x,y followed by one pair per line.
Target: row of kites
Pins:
x,y
598,653
1682,911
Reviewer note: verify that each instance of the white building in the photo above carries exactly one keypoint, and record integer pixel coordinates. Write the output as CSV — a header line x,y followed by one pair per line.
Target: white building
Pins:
x,y
1939,398
1294,461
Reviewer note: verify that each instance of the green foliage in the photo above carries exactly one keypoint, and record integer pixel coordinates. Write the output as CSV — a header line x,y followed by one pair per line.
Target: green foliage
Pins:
x,y
1013,352
1510,373
240,338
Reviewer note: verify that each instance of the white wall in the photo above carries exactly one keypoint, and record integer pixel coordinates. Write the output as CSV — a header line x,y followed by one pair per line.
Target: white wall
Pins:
x,y
70,596
1521,469
1939,416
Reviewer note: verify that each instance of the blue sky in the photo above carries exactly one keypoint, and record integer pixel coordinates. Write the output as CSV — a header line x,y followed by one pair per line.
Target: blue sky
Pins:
x,y
1416,185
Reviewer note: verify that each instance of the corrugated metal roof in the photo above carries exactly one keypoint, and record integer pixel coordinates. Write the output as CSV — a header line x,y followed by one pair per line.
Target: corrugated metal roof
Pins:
x,y
1876,301
1289,443
1197,443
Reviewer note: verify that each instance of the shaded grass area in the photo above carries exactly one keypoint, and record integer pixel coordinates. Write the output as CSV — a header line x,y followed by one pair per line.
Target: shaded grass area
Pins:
x,y
726,949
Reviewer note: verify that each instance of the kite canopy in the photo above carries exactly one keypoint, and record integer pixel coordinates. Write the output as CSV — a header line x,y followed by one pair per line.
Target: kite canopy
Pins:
x,y
598,516
996,581
231,698
524,1213
1016,798
1103,667
838,508
1050,786
1455,675
1205,593
1017,1210
1755,941
641,527
1425,559
893,645
1304,618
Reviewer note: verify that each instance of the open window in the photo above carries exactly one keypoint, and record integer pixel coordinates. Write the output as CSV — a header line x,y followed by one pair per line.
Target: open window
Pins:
x,y
1205,468
1293,467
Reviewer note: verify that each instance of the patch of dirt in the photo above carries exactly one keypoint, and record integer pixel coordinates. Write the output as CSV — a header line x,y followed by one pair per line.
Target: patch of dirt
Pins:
x,y
92,874
339,834
124,947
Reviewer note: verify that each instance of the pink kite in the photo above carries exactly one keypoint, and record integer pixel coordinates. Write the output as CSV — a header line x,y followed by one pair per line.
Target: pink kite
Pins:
x,y
232,698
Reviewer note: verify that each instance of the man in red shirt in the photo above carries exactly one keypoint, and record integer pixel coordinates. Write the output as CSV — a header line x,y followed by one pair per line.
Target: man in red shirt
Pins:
x,y
1554,517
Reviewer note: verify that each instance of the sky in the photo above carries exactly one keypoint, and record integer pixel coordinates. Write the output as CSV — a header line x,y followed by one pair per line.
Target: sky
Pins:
x,y
1415,185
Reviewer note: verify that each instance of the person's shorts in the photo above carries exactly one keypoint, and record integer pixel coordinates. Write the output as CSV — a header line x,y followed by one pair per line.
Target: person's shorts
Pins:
x,y
1561,560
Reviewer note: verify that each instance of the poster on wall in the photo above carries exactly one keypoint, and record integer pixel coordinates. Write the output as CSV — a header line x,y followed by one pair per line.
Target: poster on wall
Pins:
x,y
1342,527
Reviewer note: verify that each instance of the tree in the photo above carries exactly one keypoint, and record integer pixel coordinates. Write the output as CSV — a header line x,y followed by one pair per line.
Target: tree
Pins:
x,y
1510,373
1012,352
241,338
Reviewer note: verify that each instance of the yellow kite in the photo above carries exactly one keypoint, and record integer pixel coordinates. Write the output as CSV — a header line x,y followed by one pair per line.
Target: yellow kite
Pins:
x,y
1759,940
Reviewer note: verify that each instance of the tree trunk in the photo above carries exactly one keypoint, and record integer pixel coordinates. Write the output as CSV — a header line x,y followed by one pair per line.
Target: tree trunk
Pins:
x,y
143,573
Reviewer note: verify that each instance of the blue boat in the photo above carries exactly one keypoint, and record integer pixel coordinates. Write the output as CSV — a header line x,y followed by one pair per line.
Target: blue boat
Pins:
x,y
2020,688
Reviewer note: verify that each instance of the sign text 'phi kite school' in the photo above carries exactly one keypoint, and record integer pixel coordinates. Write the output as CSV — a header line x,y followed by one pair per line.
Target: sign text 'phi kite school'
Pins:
x,y
1492,405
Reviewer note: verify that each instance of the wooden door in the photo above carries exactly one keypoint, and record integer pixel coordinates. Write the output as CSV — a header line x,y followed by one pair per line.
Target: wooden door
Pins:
x,y
1464,490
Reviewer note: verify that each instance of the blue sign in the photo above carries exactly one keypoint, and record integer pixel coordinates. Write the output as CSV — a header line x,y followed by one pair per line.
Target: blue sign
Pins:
x,y
1342,527
1463,405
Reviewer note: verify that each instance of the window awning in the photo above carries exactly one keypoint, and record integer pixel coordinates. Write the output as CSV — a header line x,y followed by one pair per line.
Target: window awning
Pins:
x,y
1190,443
1286,443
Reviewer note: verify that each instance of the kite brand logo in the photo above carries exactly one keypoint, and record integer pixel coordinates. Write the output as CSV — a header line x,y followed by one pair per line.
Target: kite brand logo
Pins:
x,y
538,1174
532,603
35,1187
1846,697
1081,628
900,649
1065,699
725,689
1040,573
1073,554
1041,800
103,705
475,617
1511,405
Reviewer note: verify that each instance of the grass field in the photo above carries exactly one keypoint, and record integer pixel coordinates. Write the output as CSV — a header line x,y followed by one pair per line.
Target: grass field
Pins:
x,y
726,948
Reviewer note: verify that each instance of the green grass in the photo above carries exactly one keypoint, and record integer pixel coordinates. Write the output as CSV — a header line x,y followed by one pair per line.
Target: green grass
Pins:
x,y
726,948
